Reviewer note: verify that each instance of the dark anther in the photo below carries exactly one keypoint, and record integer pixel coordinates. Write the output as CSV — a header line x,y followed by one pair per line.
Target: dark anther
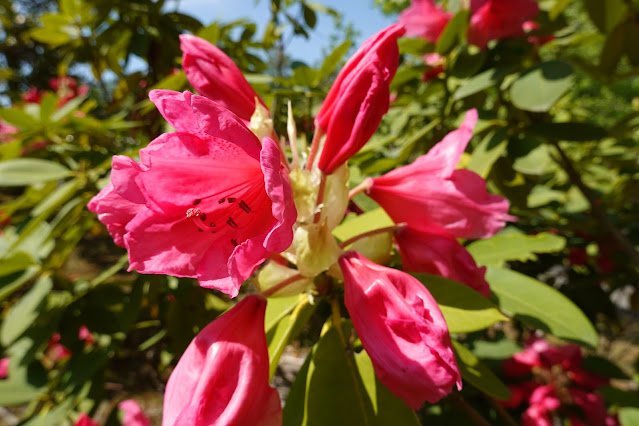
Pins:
x,y
196,202
200,230
244,206
231,222
211,224
234,241
221,200
212,232
231,200
203,217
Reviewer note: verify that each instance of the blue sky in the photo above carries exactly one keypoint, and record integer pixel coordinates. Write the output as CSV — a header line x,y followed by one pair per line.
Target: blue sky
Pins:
x,y
365,18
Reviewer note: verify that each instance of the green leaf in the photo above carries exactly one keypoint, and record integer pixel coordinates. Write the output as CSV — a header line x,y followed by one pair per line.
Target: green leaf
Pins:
x,y
541,306
630,42
278,308
12,282
499,350
615,396
478,374
603,367
389,409
18,118
613,50
369,221
454,32
539,88
25,311
286,330
331,62
628,416
488,151
23,384
464,309
27,171
67,108
18,261
482,81
506,247
333,381
578,132
606,14
557,8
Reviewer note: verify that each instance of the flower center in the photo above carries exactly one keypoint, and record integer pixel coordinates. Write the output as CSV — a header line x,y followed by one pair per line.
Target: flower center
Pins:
x,y
228,217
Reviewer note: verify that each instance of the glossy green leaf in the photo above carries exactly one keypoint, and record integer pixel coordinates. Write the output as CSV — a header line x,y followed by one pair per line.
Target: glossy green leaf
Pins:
x,y
454,32
27,171
483,81
17,261
478,374
557,8
613,50
541,306
18,118
464,309
331,62
388,409
628,416
25,311
539,88
502,248
369,221
23,384
278,308
487,152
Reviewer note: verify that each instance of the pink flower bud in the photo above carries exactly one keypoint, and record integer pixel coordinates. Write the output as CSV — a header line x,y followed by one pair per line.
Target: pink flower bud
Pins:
x,y
214,75
358,98
434,251
402,329
424,19
431,192
222,377
133,414
498,19
4,367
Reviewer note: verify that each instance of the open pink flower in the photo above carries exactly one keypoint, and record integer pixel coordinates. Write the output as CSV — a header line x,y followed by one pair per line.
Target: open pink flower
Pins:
x,y
402,329
543,402
424,19
133,414
222,377
213,202
434,251
498,19
358,99
84,420
431,192
214,75
114,211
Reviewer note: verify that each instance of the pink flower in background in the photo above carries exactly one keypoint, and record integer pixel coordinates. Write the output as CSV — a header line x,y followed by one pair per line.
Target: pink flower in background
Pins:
x,y
498,19
561,388
431,192
437,64
4,367
85,335
213,202
32,96
539,40
424,19
222,377
133,414
214,75
67,88
358,98
402,330
56,351
434,251
84,420
7,131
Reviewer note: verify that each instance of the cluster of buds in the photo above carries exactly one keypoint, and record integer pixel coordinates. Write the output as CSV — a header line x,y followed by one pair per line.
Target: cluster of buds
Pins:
x,y
218,198
555,386
65,88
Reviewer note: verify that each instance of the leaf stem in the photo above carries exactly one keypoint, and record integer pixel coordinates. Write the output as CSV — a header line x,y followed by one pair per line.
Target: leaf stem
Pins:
x,y
317,137
366,183
373,232
277,287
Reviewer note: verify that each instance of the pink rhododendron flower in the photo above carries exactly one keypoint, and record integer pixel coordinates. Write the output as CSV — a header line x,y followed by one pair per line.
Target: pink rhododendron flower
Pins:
x,y
56,351
434,251
222,377
431,192
358,99
530,26
542,402
85,335
214,75
67,88
401,328
7,131
424,19
213,202
437,64
133,414
4,367
498,19
84,420
32,96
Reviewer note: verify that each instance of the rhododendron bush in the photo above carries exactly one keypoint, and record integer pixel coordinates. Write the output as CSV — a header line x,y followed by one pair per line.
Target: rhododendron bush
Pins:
x,y
434,224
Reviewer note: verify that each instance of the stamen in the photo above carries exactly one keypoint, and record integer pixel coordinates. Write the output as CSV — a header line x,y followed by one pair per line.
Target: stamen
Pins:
x,y
234,242
196,202
193,212
232,223
203,217
231,200
221,200
244,206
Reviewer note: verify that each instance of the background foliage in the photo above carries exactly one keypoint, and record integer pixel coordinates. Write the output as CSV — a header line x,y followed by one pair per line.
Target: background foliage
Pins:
x,y
558,136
